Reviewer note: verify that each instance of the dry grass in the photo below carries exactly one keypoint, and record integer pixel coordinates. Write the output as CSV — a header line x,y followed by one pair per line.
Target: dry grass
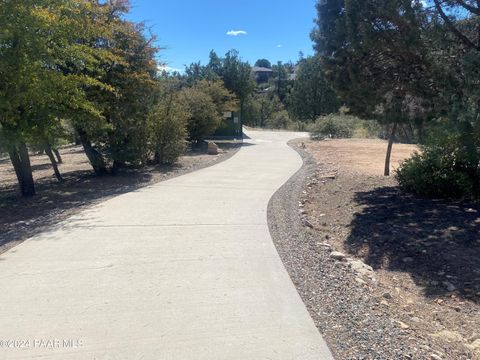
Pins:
x,y
366,156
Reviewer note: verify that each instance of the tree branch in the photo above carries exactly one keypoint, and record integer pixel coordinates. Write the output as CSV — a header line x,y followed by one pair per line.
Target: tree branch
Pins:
x,y
469,7
452,27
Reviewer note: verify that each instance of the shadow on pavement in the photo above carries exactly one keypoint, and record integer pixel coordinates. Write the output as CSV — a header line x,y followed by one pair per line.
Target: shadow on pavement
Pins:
x,y
21,218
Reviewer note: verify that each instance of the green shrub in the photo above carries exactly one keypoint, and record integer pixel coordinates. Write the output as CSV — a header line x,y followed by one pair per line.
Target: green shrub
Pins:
x,y
204,116
169,120
334,126
446,168
279,120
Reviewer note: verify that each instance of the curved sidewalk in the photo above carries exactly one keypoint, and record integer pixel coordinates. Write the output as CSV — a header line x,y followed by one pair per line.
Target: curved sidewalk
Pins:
x,y
184,269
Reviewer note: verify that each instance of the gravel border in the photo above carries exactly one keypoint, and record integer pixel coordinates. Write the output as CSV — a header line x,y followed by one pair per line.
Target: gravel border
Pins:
x,y
352,321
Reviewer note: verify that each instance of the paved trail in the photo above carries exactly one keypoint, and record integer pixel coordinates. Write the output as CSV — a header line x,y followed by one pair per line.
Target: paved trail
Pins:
x,y
184,269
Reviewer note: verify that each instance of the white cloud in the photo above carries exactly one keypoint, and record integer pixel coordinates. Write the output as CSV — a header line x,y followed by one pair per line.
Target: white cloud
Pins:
x,y
279,45
236,32
168,69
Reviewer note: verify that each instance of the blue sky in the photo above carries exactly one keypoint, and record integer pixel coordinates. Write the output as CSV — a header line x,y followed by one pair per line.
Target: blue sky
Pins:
x,y
189,29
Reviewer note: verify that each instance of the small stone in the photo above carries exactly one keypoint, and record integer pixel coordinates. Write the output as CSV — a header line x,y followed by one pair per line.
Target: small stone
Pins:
x,y
307,224
384,303
434,283
435,357
387,295
360,281
403,325
325,245
407,260
337,255
449,286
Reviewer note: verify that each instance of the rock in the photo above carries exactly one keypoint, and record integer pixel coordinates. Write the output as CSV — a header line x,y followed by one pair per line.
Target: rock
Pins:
x,y
360,281
324,245
361,268
212,148
403,325
337,255
475,347
435,357
307,223
449,336
387,295
407,260
329,176
449,286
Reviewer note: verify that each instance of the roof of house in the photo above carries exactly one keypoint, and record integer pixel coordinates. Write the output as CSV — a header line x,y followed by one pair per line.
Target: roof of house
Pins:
x,y
261,69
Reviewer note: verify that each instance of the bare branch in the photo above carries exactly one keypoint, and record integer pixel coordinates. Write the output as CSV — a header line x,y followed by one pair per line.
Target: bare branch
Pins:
x,y
458,33
473,9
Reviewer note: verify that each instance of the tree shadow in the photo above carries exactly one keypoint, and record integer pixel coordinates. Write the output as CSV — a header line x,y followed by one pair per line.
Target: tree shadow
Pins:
x,y
21,218
436,241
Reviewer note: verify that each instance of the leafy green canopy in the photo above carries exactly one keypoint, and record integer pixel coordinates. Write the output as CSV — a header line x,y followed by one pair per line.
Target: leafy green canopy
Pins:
x,y
312,95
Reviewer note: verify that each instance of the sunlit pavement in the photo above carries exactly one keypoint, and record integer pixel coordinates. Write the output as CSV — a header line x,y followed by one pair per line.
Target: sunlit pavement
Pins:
x,y
184,269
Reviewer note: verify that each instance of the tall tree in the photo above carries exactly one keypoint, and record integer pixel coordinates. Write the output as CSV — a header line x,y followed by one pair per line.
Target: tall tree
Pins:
x,y
263,63
39,39
312,95
375,58
236,76
127,108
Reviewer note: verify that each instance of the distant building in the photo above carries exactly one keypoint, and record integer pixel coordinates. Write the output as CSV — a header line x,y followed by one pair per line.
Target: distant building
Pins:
x,y
261,74
231,127
293,76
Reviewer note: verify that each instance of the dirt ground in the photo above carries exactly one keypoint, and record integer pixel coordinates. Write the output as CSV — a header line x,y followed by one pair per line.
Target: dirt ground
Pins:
x,y
363,156
425,254
21,218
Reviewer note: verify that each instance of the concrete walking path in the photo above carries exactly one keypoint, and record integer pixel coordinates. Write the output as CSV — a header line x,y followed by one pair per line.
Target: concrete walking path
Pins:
x,y
183,269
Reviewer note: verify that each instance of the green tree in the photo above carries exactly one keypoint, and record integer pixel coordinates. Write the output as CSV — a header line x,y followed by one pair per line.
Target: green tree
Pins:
x,y
127,108
204,117
312,95
223,99
263,63
168,120
236,76
38,42
281,81
375,58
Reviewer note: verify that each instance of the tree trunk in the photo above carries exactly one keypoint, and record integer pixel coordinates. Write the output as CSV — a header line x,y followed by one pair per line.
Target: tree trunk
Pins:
x,y
58,156
116,166
157,157
77,139
96,159
389,149
49,152
23,169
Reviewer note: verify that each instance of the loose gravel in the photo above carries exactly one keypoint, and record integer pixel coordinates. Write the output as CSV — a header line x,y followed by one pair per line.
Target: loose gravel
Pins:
x,y
356,322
